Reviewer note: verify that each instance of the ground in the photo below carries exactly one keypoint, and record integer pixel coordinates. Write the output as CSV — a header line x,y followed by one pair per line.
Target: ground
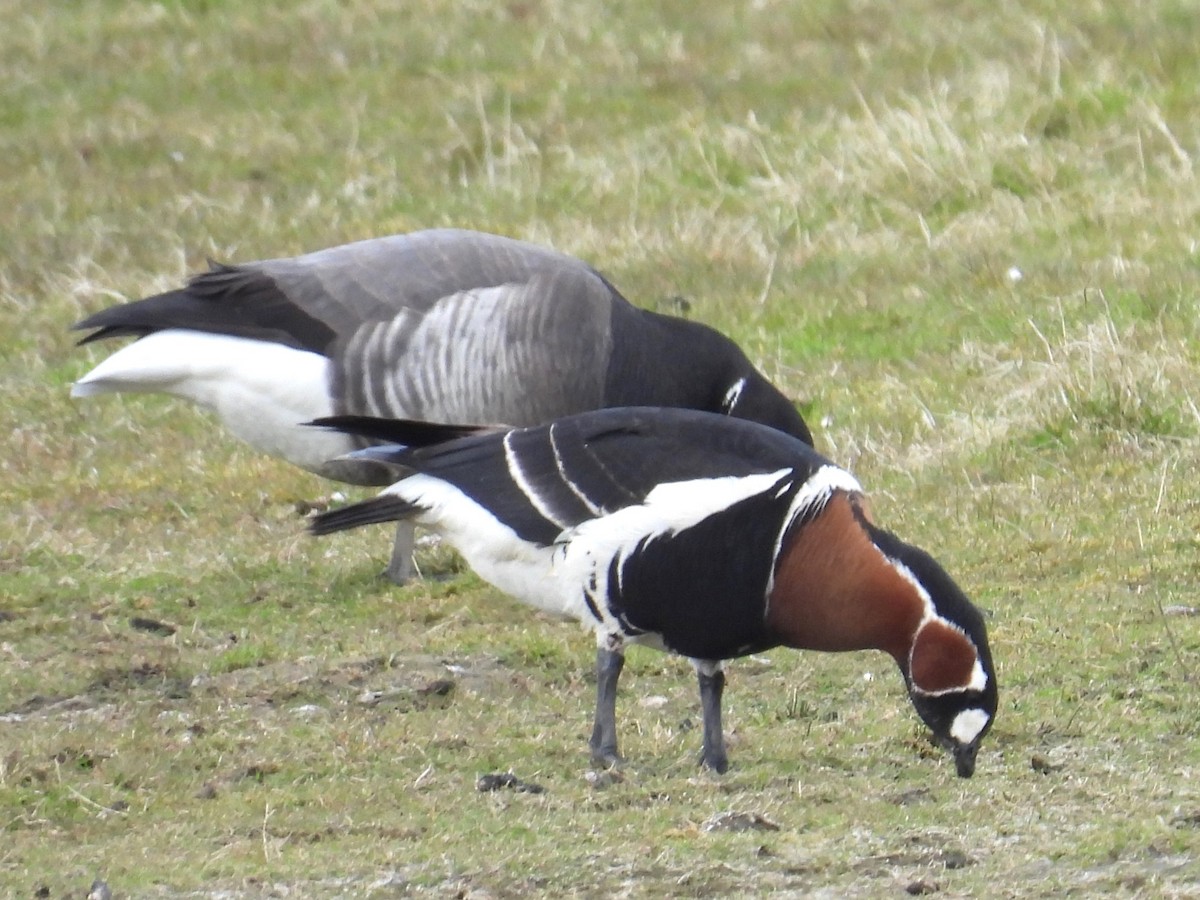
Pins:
x,y
963,237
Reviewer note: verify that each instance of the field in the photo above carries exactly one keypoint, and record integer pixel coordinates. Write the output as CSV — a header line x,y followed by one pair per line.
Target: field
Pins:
x,y
964,237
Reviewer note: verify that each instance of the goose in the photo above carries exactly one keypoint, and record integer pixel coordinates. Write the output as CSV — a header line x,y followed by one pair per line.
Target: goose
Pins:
x,y
445,325
699,534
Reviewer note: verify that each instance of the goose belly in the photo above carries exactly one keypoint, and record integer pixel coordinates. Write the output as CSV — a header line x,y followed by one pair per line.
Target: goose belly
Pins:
x,y
261,391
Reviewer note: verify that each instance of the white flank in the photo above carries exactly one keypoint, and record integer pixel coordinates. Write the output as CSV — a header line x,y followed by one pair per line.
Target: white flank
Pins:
x,y
554,578
522,569
968,725
518,476
682,504
668,509
261,390
733,395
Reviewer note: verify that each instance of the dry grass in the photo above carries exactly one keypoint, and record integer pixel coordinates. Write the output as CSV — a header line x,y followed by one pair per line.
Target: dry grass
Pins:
x,y
963,237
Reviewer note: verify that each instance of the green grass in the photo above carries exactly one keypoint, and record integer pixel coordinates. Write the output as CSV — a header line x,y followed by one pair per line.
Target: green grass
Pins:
x,y
962,236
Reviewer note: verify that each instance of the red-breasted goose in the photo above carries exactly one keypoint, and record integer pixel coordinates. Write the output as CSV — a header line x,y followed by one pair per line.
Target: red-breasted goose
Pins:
x,y
440,325
700,534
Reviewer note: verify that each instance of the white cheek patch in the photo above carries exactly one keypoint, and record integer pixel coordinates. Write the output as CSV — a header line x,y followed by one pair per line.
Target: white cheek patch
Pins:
x,y
810,499
968,725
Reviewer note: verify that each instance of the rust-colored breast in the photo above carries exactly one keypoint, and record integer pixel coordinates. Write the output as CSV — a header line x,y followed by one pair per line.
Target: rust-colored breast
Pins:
x,y
834,590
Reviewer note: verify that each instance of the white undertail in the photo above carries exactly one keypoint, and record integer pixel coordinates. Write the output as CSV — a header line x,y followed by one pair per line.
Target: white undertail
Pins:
x,y
261,390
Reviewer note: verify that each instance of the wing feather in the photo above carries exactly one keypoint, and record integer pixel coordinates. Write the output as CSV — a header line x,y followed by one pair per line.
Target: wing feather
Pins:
x,y
526,352
544,480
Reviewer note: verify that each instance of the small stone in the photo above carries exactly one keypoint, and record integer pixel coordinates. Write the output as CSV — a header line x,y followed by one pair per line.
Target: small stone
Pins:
x,y
738,821
152,625
911,796
599,780
439,687
677,304
99,891
1042,765
309,507
256,772
506,780
956,859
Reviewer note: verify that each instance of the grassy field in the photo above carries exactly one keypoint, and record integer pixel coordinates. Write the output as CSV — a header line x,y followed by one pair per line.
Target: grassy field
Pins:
x,y
963,236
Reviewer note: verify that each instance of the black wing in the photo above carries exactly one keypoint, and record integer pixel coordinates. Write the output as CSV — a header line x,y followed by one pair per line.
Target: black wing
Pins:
x,y
540,481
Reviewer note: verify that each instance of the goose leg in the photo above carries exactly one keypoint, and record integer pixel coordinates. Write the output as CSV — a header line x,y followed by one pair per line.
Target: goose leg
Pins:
x,y
604,734
711,675
400,567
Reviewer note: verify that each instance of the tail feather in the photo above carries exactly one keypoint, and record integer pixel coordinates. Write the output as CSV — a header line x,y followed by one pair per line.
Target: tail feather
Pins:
x,y
109,331
406,432
239,301
135,319
384,508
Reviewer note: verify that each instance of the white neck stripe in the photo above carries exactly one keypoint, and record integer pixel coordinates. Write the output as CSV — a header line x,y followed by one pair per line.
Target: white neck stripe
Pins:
x,y
812,497
979,679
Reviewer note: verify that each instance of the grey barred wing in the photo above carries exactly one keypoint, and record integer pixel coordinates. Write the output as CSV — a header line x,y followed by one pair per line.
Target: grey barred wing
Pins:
x,y
525,352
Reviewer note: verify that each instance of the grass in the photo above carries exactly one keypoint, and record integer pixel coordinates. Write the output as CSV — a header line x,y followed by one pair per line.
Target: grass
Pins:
x,y
963,237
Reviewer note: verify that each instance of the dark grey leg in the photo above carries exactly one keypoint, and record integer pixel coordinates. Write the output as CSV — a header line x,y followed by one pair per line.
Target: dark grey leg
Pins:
x,y
400,568
604,734
712,685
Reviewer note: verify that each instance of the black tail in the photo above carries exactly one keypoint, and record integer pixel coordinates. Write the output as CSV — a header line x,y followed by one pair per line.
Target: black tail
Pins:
x,y
136,319
384,508
231,300
406,432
